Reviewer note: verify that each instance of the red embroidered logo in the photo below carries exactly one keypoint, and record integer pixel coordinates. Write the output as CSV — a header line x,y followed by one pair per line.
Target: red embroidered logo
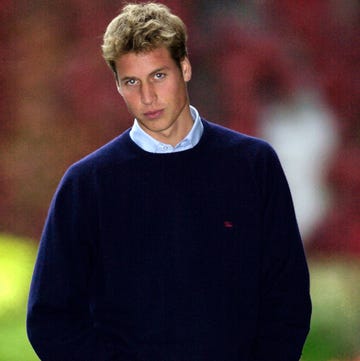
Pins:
x,y
228,224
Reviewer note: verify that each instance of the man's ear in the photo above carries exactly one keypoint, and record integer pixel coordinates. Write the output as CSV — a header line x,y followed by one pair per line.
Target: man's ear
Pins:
x,y
186,69
118,87
116,76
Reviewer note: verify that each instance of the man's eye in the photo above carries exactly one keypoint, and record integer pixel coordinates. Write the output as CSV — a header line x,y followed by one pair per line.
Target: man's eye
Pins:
x,y
159,76
130,82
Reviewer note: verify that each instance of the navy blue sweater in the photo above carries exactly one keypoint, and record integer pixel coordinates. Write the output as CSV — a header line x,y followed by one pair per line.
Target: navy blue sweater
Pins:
x,y
188,256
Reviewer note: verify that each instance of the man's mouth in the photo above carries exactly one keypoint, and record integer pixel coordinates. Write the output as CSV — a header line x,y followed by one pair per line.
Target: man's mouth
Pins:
x,y
154,114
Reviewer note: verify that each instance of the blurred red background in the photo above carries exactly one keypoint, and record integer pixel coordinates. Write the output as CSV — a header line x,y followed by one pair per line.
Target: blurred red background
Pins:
x,y
254,63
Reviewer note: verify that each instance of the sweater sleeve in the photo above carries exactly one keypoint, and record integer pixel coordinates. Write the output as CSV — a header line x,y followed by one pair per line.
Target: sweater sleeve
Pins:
x,y
285,306
59,322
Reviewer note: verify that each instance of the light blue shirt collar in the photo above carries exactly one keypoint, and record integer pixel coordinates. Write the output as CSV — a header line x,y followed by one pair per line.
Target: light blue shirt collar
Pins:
x,y
149,144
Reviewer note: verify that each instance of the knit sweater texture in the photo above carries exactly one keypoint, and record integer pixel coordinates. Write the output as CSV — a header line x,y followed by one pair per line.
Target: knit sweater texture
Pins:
x,y
188,256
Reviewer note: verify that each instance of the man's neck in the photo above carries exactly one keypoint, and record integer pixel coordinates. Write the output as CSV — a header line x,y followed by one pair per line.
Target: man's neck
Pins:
x,y
176,132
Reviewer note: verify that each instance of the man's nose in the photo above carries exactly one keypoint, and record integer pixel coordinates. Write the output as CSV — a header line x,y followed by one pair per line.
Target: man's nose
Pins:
x,y
148,94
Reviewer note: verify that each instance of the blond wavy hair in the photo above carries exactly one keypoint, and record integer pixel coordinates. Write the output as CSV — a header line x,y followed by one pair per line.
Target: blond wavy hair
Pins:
x,y
144,27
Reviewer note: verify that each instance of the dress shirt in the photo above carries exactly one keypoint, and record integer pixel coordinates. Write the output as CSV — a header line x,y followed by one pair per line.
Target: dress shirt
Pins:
x,y
149,144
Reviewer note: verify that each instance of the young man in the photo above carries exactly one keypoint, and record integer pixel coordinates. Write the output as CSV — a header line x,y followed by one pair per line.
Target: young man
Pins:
x,y
177,241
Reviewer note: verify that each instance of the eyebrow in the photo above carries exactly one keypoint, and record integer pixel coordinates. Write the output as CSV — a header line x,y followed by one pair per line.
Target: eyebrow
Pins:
x,y
125,78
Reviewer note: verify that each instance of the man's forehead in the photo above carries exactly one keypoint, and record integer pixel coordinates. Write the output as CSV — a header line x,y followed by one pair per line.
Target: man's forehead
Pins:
x,y
133,63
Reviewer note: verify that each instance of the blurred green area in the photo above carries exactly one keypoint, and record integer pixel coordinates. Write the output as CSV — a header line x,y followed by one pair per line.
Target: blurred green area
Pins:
x,y
335,325
335,288
17,257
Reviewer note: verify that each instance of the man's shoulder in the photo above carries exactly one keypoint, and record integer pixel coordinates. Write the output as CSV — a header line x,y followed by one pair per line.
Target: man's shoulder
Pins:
x,y
255,154
228,139
114,152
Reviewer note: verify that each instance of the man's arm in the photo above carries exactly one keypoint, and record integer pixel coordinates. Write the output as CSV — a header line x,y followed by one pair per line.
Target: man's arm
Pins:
x,y
59,322
285,306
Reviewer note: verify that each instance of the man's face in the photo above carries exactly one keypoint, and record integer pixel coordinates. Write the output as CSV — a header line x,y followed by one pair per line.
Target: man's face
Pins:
x,y
154,90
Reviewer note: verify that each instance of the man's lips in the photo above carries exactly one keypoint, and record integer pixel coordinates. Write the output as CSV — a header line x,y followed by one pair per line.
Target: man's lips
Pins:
x,y
154,114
